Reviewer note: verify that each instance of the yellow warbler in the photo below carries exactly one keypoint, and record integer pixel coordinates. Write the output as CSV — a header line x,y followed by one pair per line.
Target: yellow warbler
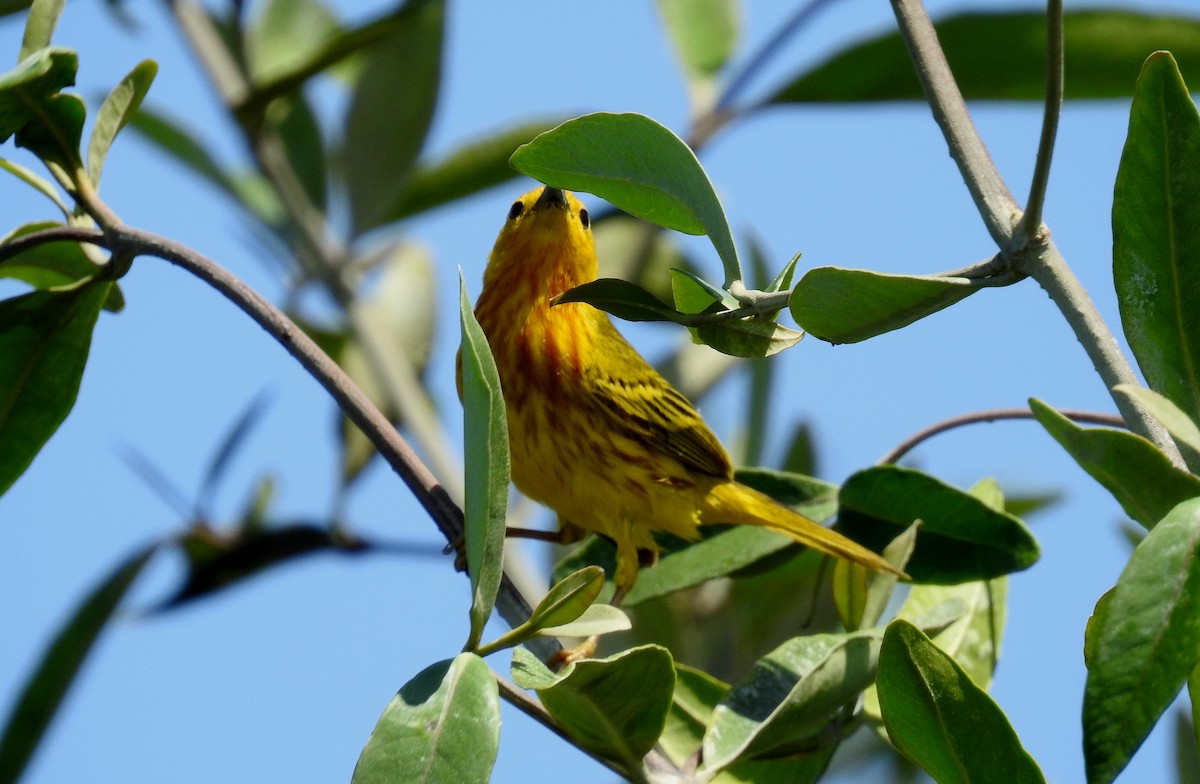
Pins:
x,y
595,432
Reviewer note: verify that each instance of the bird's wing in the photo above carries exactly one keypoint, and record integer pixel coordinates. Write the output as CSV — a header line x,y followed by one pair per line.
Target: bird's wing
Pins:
x,y
638,402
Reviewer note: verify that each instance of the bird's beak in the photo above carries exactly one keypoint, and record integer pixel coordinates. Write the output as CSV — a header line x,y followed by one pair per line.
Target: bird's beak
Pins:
x,y
551,196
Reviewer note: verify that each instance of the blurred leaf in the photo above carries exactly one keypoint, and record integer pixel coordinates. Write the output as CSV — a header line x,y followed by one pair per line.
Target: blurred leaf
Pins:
x,y
300,133
793,693
174,140
45,690
39,26
1177,423
472,167
1187,761
442,726
37,182
848,305
961,538
400,312
391,111
230,444
284,35
637,165
1002,56
487,467
704,33
615,707
54,264
116,110
634,250
44,341
216,562
801,455
1155,240
1135,471
938,718
1144,644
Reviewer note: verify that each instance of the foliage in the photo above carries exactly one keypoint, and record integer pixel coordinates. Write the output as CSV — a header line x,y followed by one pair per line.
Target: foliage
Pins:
x,y
913,662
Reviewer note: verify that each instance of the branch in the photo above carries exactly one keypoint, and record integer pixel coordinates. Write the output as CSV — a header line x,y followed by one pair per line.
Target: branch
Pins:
x,y
995,203
121,239
991,415
1030,227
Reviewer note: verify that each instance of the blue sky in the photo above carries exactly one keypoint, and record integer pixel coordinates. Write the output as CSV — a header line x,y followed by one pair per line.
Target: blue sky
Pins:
x,y
283,678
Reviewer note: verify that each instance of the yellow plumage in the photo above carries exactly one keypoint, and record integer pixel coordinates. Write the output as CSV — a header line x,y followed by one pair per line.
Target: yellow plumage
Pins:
x,y
595,432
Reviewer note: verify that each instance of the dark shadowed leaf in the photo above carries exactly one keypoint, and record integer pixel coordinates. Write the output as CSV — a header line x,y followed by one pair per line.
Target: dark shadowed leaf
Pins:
x,y
961,538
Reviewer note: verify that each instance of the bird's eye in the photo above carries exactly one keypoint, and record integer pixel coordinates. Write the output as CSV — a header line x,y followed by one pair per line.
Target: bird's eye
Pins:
x,y
584,218
515,211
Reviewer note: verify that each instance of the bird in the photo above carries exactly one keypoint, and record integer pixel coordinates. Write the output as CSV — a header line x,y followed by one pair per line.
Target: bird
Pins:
x,y
596,433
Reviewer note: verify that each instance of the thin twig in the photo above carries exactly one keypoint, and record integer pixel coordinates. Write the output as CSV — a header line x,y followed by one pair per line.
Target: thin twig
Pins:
x,y
992,198
1030,227
992,415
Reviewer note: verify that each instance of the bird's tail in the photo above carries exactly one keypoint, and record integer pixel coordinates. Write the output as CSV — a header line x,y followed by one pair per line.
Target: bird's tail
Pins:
x,y
730,502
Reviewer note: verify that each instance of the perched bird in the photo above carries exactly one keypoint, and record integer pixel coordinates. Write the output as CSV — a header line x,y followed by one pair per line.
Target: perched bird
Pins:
x,y
595,432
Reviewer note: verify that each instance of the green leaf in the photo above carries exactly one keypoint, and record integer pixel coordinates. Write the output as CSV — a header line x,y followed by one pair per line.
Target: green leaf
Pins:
x,y
848,305
568,598
39,700
792,693
442,726
401,313
1144,644
704,32
39,26
614,707
487,466
1135,471
54,264
1155,239
37,182
176,141
391,111
961,538
34,80
692,703
284,35
300,133
595,620
861,595
468,169
1177,423
938,718
1002,56
639,166
44,341
122,102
